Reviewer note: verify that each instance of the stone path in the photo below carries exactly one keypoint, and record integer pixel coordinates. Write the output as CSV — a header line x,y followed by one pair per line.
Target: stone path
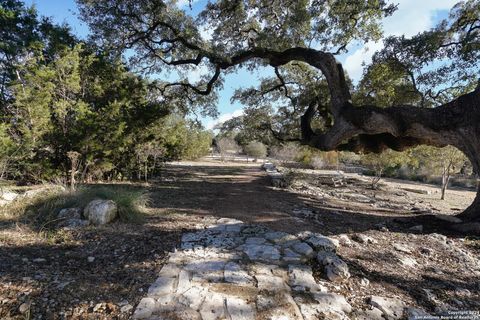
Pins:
x,y
237,271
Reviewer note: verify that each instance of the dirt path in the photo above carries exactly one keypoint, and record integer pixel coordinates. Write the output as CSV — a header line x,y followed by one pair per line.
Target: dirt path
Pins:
x,y
243,191
402,254
231,191
55,278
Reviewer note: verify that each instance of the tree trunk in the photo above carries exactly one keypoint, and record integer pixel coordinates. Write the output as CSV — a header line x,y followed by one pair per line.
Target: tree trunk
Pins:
x,y
146,171
445,180
374,129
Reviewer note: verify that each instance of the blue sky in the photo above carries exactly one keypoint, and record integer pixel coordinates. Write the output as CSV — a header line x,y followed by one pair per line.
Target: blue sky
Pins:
x,y
412,16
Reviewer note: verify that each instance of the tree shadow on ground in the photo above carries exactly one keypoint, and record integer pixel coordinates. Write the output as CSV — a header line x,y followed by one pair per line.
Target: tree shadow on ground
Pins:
x,y
247,196
129,256
57,275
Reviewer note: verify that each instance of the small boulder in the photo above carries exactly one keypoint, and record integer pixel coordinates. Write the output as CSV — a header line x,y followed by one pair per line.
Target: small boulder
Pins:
x,y
8,195
100,212
391,308
335,268
344,240
24,307
322,243
362,238
402,248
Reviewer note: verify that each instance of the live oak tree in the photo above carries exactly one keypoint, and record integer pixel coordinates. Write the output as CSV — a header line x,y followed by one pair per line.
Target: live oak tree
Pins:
x,y
440,66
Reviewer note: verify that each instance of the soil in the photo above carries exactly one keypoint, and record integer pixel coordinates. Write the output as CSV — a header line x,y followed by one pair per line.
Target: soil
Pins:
x,y
52,278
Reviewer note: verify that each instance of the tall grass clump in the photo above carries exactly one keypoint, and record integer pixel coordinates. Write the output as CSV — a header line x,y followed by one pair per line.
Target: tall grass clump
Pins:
x,y
42,210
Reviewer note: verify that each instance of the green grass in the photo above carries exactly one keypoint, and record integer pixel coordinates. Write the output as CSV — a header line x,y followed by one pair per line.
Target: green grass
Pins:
x,y
41,211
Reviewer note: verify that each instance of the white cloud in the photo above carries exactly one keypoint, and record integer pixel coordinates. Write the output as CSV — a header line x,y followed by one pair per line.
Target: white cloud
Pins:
x,y
353,63
412,17
224,117
184,3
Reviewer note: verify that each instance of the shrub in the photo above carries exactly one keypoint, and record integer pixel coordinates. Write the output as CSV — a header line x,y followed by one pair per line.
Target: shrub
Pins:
x,y
226,146
317,163
286,153
256,150
41,211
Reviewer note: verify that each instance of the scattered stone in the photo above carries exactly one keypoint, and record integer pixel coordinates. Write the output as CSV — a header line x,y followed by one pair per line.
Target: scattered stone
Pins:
x,y
344,240
98,307
24,307
407,261
303,249
364,282
438,237
144,309
90,259
268,166
402,248
320,242
227,221
391,308
39,260
301,279
100,212
362,238
335,268
126,308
